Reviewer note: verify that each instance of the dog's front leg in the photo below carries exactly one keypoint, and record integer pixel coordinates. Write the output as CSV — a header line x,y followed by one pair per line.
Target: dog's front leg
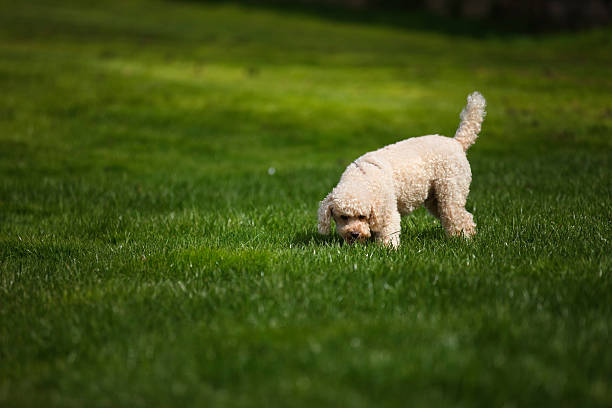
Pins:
x,y
389,234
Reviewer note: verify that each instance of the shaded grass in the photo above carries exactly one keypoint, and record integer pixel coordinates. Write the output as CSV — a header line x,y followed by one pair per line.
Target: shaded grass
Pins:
x,y
147,257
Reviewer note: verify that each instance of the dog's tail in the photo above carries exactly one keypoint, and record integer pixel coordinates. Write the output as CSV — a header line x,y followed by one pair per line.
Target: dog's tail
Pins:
x,y
471,120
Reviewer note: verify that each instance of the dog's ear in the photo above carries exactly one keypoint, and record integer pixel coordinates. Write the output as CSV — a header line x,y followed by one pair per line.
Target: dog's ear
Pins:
x,y
325,213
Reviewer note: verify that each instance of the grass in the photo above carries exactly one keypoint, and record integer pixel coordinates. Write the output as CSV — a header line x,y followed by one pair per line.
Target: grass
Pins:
x,y
147,258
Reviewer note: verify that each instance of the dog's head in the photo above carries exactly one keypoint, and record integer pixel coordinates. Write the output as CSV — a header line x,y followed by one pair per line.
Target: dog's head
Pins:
x,y
352,214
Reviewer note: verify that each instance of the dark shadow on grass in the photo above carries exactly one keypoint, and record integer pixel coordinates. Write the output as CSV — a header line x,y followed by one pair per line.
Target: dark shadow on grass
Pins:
x,y
308,238
402,17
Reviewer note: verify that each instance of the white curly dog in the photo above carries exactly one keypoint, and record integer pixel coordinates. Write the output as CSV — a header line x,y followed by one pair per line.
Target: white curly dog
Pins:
x,y
380,186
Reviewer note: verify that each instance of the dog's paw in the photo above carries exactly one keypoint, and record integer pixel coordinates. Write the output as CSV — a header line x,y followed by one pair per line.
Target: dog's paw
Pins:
x,y
466,231
392,241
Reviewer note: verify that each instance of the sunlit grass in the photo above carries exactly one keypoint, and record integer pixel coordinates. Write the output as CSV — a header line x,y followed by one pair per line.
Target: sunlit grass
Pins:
x,y
149,258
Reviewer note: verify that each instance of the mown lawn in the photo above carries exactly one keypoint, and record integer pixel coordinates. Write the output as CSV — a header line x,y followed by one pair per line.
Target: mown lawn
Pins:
x,y
148,258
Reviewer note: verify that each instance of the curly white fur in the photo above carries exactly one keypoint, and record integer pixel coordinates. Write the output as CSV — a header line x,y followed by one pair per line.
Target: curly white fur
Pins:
x,y
380,186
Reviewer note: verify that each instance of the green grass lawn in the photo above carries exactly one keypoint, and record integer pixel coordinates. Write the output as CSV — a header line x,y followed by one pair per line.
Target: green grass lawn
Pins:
x,y
147,258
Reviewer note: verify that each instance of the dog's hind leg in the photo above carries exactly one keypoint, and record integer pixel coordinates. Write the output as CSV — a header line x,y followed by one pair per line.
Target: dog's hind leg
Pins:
x,y
451,195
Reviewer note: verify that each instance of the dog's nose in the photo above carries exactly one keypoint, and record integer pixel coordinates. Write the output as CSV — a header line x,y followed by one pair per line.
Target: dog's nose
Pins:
x,y
355,234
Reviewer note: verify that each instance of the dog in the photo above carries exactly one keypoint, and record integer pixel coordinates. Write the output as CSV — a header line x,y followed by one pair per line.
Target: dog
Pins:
x,y
380,186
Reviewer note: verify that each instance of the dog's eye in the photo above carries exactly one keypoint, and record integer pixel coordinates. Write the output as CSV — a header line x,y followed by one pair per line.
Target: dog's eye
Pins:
x,y
362,217
344,217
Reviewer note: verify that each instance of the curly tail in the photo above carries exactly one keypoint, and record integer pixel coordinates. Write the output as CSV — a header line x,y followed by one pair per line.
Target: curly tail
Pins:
x,y
471,119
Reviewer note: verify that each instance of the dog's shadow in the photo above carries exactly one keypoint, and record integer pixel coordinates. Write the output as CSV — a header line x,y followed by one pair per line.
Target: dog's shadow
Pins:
x,y
313,238
429,234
